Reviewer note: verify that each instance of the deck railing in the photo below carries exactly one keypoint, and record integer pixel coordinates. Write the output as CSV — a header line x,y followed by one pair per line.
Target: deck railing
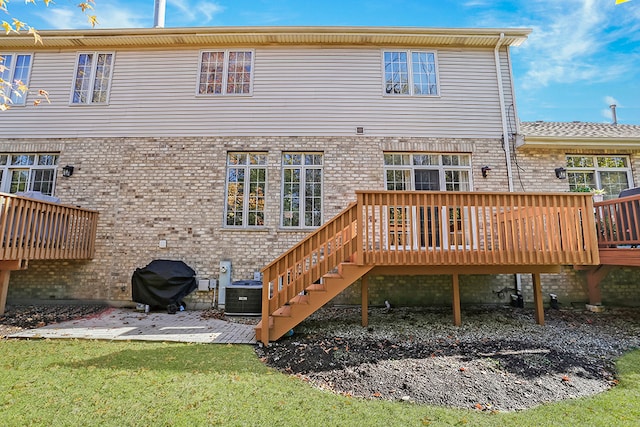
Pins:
x,y
389,228
309,260
474,228
36,230
618,222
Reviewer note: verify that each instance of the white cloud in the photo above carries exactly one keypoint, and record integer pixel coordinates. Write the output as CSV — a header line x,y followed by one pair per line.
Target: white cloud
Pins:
x,y
610,100
569,43
113,16
201,13
209,10
61,18
108,15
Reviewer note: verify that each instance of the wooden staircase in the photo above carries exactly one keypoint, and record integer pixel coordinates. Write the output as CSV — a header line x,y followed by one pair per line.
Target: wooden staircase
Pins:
x,y
309,275
423,233
312,299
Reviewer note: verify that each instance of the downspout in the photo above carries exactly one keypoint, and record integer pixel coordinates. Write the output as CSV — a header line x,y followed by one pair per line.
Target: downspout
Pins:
x,y
516,118
505,135
503,112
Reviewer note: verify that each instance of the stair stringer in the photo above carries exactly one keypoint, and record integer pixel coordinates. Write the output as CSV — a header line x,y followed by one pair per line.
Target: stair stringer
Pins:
x,y
316,295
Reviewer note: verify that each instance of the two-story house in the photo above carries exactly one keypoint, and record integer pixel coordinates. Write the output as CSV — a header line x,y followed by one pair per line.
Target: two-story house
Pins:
x,y
213,145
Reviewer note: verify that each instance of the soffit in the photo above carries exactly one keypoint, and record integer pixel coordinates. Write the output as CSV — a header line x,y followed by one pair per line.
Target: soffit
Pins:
x,y
265,36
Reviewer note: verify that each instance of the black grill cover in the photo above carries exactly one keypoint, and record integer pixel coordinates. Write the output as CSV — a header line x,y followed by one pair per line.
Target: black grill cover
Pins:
x,y
162,283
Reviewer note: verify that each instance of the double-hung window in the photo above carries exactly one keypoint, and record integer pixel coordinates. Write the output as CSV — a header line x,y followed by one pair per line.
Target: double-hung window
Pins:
x,y
246,187
14,77
28,172
302,190
408,72
610,173
225,73
92,79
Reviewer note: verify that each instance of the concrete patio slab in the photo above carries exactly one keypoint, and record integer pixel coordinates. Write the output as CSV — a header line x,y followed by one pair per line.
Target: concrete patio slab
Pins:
x,y
122,324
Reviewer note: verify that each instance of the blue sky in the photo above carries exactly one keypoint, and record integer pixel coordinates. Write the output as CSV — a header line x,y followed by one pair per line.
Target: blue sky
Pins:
x,y
582,56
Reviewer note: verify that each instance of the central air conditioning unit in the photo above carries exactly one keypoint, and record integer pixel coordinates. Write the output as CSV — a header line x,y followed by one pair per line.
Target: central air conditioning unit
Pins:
x,y
244,298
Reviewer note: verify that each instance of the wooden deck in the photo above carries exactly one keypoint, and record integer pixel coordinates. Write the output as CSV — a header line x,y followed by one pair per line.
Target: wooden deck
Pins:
x,y
38,230
618,232
390,232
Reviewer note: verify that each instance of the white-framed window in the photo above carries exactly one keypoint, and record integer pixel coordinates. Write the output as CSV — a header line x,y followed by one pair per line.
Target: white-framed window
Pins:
x,y
15,69
28,172
410,72
302,189
246,189
611,173
92,79
427,171
225,72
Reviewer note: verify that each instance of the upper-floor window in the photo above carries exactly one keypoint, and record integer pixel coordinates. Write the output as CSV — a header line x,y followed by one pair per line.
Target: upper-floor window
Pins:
x,y
427,171
92,78
246,188
14,73
28,172
225,73
410,73
609,173
302,190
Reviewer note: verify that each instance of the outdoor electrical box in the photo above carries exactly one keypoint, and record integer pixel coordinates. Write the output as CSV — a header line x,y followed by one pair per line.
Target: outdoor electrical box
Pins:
x,y
224,281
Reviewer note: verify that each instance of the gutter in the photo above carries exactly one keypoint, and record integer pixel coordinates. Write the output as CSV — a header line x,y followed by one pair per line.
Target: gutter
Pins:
x,y
503,112
572,142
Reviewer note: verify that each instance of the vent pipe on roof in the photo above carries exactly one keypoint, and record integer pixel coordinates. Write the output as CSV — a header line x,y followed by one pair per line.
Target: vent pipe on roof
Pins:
x,y
158,13
614,118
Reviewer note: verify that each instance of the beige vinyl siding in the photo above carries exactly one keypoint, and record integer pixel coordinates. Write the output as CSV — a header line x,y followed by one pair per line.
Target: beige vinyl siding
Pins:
x,y
303,91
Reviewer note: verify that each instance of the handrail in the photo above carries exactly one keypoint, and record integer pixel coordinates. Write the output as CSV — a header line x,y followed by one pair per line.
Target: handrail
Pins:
x,y
422,228
309,260
618,221
477,228
37,230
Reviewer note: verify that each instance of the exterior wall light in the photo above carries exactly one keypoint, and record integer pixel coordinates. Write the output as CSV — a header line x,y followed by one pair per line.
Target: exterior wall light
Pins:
x,y
561,173
485,171
67,171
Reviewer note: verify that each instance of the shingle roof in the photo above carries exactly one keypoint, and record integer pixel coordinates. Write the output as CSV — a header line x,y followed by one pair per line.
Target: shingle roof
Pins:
x,y
579,130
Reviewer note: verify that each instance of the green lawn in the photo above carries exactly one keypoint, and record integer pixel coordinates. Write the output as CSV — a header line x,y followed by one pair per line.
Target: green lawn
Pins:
x,y
88,383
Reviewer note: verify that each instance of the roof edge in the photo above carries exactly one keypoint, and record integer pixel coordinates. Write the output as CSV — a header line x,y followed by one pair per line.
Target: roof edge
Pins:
x,y
580,142
274,35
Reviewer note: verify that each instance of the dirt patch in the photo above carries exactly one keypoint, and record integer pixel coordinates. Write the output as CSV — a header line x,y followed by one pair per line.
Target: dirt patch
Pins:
x,y
498,360
19,317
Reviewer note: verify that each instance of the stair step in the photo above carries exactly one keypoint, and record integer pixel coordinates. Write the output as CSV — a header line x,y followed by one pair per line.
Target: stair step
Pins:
x,y
284,311
316,287
300,299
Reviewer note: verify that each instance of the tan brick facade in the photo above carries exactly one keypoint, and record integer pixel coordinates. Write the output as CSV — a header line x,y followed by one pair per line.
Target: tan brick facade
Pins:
x,y
173,189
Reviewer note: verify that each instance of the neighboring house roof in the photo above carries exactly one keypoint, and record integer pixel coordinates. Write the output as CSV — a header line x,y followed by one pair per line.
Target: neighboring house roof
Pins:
x,y
579,135
261,36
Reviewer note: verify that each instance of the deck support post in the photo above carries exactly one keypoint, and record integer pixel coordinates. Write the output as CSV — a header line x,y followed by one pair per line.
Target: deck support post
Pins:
x,y
455,285
537,298
4,288
594,277
364,285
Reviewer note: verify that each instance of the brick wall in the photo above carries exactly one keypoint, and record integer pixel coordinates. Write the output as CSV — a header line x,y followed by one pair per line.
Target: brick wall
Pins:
x,y
153,189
